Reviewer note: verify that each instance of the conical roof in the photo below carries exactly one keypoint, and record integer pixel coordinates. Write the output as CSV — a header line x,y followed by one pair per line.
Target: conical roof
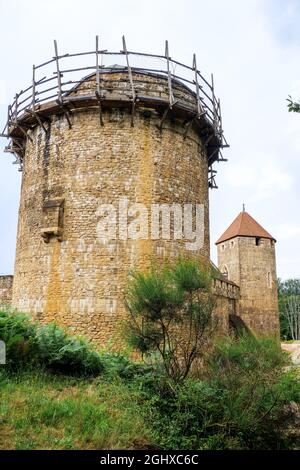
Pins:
x,y
244,226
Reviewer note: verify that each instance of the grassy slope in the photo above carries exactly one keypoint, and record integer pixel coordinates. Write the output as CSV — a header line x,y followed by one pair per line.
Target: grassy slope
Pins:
x,y
42,411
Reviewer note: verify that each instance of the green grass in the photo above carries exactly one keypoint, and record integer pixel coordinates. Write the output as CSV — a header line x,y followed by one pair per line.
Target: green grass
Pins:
x,y
43,411
57,392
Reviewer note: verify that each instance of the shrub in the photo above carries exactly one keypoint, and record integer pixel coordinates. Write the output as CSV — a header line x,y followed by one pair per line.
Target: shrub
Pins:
x,y
170,314
239,402
19,336
29,344
117,365
66,353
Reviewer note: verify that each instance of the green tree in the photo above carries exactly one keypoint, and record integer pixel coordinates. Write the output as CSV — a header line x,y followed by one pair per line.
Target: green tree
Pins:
x,y
289,308
293,106
171,314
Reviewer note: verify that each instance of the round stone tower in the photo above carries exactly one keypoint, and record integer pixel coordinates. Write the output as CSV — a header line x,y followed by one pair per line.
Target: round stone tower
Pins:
x,y
116,171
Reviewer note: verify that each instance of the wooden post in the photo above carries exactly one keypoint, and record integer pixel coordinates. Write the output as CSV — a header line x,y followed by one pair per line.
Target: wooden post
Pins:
x,y
171,96
211,178
9,118
97,65
59,92
58,72
16,108
130,80
220,118
214,103
33,88
98,92
199,106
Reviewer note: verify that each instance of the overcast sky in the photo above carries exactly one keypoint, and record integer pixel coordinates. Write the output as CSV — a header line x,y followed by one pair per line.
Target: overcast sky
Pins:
x,y
253,49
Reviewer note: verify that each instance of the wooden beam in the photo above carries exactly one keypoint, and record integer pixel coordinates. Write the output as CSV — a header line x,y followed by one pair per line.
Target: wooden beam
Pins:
x,y
187,126
22,128
66,112
171,96
200,110
33,88
37,117
130,80
58,72
129,69
98,96
98,90
164,117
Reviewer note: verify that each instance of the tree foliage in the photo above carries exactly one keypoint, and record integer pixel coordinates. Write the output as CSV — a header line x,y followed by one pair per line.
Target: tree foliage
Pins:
x,y
293,106
171,314
241,400
289,307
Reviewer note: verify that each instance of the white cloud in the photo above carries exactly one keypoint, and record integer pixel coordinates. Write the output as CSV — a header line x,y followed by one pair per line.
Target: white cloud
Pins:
x,y
261,174
288,231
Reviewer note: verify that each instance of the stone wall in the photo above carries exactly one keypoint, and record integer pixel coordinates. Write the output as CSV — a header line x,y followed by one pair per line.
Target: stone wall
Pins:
x,y
6,285
64,270
251,264
227,299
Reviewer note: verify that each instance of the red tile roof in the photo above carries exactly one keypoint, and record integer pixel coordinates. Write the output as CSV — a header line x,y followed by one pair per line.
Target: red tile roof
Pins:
x,y
244,226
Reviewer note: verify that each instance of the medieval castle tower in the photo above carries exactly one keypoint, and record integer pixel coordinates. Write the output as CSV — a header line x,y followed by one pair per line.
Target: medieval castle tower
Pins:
x,y
123,148
246,256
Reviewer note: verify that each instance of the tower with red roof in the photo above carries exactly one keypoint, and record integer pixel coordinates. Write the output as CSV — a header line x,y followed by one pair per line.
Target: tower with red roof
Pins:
x,y
246,256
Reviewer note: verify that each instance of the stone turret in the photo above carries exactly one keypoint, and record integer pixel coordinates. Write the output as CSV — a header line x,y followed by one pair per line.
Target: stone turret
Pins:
x,y
246,256
117,166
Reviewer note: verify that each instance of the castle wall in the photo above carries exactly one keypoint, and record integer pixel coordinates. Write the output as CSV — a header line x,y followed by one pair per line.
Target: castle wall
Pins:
x,y
64,271
6,285
253,267
227,298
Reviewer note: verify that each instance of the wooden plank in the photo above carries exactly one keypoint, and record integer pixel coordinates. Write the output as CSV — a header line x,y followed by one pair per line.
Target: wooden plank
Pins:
x,y
58,71
201,112
171,96
129,69
33,88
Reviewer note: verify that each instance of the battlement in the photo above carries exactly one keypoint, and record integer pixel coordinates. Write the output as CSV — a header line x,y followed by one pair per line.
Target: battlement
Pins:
x,y
225,288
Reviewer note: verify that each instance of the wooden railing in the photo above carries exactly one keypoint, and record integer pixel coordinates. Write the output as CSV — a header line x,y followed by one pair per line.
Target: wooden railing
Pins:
x,y
55,78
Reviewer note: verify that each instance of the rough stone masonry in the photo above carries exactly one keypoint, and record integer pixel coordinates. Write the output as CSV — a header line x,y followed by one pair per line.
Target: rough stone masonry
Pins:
x,y
63,272
143,153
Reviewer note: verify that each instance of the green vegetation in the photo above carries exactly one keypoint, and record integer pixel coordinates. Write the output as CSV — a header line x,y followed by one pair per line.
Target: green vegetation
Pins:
x,y
39,410
289,308
293,106
239,402
57,392
46,346
171,315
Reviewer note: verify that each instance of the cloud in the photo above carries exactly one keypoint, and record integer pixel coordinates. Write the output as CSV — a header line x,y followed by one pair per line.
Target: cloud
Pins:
x,y
288,231
282,17
261,174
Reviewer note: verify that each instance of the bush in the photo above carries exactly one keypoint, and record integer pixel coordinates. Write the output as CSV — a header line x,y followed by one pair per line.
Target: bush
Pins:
x,y
171,315
28,344
238,403
66,353
117,365
19,336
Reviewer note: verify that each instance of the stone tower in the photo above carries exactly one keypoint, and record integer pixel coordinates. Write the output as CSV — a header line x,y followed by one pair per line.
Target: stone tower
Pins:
x,y
101,151
246,256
